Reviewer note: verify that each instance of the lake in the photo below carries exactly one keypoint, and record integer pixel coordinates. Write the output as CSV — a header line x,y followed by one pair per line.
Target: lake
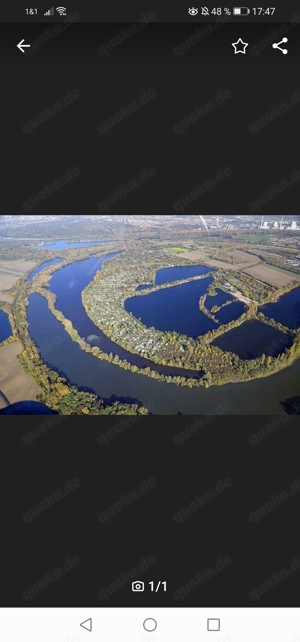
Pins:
x,y
220,298
252,339
174,273
286,310
108,381
63,245
231,312
177,309
174,309
5,327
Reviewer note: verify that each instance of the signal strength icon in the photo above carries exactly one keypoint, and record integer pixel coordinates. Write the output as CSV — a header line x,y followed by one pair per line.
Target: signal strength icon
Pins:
x,y
50,12
61,11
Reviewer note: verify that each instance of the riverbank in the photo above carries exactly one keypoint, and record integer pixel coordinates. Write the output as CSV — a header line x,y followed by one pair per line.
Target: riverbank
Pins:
x,y
53,389
103,356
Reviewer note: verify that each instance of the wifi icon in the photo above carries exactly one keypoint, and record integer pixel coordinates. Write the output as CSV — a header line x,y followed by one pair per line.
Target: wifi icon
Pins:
x,y
61,11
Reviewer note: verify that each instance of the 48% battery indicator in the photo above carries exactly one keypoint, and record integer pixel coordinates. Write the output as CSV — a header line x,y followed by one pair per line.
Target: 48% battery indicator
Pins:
x,y
241,11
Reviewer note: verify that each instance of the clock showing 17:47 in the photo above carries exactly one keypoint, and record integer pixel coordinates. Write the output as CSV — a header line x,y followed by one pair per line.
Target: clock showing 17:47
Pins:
x,y
260,11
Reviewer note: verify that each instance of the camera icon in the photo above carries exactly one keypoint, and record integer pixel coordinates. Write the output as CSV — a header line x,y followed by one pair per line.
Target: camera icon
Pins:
x,y
138,587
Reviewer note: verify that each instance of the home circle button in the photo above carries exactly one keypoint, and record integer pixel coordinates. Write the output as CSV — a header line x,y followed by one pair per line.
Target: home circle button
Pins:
x,y
150,624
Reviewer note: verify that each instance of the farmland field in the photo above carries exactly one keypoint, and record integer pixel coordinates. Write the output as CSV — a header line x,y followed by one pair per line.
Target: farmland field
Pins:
x,y
272,275
10,272
14,383
177,249
202,256
244,256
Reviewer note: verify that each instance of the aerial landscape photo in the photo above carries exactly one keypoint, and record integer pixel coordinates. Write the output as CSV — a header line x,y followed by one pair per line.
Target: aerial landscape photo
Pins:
x,y
150,315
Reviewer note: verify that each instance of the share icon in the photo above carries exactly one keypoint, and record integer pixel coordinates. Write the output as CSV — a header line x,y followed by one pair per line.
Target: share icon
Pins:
x,y
276,45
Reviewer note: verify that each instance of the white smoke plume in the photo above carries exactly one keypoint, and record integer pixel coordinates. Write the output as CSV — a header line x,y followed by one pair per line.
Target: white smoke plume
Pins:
x,y
203,221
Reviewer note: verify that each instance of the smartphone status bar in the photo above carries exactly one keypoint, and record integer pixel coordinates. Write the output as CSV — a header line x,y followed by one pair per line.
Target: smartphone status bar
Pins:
x,y
166,11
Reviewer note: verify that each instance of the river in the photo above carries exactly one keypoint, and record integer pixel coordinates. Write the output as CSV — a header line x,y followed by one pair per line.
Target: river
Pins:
x,y
108,381
43,266
68,284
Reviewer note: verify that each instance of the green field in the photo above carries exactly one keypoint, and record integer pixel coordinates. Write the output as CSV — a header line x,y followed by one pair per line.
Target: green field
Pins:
x,y
177,249
254,238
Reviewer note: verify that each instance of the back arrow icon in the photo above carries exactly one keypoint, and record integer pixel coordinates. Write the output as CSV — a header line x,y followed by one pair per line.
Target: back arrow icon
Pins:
x,y
87,624
20,45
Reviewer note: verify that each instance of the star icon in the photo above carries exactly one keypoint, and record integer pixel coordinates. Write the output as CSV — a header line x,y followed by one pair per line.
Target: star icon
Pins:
x,y
240,46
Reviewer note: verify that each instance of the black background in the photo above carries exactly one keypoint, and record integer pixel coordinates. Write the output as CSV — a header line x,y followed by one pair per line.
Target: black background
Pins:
x,y
185,70
70,449
260,458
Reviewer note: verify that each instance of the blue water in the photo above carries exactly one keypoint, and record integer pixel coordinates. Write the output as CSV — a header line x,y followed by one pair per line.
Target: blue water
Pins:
x,y
286,310
68,284
174,309
221,298
252,339
5,327
170,274
259,397
145,287
230,312
43,267
62,245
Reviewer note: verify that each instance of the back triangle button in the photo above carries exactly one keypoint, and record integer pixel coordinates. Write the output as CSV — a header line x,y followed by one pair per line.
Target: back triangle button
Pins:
x,y
87,624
